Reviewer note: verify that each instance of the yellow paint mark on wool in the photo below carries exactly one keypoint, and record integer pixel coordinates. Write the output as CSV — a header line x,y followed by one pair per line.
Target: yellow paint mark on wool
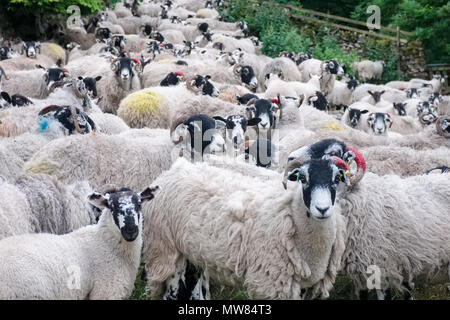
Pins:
x,y
164,61
144,101
331,125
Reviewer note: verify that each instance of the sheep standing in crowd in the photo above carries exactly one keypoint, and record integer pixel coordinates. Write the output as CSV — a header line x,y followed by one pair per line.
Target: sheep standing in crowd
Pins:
x,y
262,186
105,256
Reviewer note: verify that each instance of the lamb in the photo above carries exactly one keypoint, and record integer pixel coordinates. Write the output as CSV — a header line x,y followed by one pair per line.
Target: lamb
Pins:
x,y
294,262
117,159
107,255
368,70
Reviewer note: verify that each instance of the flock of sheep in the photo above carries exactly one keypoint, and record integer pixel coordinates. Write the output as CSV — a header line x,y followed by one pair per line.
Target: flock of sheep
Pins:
x,y
161,135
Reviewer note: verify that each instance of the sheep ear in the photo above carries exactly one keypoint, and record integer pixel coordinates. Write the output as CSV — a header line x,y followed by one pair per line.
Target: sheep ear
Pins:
x,y
98,200
342,176
149,193
253,121
364,111
219,118
370,92
294,174
98,78
220,124
6,97
207,77
39,66
80,78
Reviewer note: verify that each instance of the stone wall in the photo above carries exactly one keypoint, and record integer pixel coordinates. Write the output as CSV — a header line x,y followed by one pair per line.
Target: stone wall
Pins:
x,y
412,57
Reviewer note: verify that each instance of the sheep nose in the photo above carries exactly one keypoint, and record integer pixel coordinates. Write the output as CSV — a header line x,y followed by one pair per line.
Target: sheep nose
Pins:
x,y
263,125
322,210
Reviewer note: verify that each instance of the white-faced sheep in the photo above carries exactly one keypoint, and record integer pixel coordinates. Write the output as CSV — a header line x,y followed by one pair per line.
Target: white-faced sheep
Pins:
x,y
287,229
105,256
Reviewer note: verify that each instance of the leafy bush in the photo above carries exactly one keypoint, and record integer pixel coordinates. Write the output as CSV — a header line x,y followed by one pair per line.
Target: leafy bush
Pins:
x,y
54,6
428,20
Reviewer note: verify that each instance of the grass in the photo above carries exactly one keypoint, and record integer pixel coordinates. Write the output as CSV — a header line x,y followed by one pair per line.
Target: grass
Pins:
x,y
343,290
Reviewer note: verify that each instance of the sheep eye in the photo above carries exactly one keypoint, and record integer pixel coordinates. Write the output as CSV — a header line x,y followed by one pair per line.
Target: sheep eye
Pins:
x,y
301,178
337,179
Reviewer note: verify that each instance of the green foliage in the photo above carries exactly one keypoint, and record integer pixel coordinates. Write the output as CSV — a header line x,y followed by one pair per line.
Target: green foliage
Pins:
x,y
270,25
55,6
428,20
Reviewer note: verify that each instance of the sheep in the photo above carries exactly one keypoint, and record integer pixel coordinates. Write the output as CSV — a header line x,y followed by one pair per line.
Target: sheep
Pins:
x,y
106,255
80,36
119,77
403,161
295,262
39,81
148,9
232,44
285,67
443,126
55,52
328,71
145,108
120,11
207,14
342,93
368,70
407,245
156,107
46,204
292,88
22,63
71,92
116,159
189,32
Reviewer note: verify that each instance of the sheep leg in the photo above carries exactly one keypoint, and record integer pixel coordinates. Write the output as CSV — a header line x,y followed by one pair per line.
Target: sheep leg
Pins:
x,y
188,283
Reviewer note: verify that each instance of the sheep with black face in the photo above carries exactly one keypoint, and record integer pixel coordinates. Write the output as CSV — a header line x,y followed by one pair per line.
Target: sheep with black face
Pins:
x,y
107,254
282,236
201,84
199,134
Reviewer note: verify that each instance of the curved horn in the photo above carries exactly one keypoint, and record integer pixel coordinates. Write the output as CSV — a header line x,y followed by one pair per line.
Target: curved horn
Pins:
x,y
74,118
350,155
439,124
113,64
296,163
192,88
235,67
4,73
56,84
48,109
174,126
280,105
423,118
